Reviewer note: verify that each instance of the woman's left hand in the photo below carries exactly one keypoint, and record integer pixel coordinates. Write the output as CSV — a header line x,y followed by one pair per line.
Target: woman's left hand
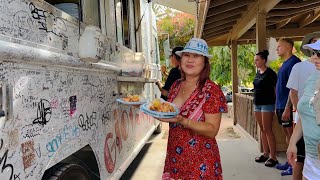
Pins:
x,y
176,119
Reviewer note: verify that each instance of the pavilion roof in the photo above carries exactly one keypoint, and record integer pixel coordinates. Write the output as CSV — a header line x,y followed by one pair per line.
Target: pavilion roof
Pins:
x,y
222,21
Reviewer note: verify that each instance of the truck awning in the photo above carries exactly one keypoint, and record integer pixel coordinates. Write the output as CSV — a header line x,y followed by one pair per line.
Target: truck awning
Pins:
x,y
186,6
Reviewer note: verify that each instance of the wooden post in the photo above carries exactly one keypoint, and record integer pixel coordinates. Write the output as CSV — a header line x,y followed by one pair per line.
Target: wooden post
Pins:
x,y
261,30
234,72
261,45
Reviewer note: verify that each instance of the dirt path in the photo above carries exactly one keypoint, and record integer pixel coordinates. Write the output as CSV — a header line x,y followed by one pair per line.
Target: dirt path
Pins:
x,y
226,130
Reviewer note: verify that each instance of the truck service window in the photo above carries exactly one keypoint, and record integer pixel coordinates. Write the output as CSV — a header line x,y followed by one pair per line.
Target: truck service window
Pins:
x,y
90,9
71,7
125,20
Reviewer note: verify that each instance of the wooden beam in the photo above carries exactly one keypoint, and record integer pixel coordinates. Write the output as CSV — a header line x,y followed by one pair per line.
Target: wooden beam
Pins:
x,y
224,42
285,6
261,32
227,19
226,14
200,21
59,1
217,43
214,42
249,19
310,19
278,33
219,23
228,7
289,12
222,28
214,35
296,32
217,29
277,19
282,23
234,72
219,2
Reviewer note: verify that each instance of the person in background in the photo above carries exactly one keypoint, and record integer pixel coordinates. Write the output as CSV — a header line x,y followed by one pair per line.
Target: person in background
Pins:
x,y
308,127
164,72
174,73
297,79
264,107
192,151
283,102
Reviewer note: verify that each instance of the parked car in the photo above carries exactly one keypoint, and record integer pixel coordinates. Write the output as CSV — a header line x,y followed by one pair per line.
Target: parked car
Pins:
x,y
243,89
227,93
228,96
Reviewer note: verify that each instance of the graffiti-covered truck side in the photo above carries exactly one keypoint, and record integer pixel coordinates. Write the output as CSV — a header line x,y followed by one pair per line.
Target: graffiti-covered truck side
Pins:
x,y
58,114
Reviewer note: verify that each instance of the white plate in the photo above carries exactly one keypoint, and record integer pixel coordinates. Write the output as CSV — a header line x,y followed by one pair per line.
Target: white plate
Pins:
x,y
130,103
156,115
146,109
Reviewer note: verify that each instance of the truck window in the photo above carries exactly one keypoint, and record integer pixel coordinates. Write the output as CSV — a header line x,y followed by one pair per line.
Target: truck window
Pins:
x,y
125,23
118,15
156,49
90,13
70,7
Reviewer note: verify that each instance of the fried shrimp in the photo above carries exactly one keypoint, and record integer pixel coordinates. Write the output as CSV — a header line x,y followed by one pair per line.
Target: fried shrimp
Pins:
x,y
134,98
159,106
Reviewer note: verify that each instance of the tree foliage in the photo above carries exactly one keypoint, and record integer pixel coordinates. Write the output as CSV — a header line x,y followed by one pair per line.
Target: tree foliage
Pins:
x,y
179,26
221,64
275,65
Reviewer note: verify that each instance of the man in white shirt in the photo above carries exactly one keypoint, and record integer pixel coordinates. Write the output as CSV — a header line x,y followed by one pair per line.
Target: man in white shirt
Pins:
x,y
298,77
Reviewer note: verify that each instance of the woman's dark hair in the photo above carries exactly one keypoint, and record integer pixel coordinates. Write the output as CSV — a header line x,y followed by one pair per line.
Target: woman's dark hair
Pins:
x,y
174,50
263,54
204,75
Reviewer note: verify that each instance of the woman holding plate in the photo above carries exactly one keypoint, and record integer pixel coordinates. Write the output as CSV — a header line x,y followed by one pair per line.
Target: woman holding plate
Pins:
x,y
192,151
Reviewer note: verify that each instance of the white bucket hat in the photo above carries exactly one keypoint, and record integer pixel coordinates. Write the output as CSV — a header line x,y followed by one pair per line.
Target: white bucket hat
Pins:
x,y
306,40
197,46
313,46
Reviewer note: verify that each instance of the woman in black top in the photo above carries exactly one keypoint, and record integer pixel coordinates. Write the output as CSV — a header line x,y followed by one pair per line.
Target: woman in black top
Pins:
x,y
264,107
174,73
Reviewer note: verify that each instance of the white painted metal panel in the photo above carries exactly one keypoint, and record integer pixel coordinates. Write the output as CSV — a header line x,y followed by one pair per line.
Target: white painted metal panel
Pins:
x,y
59,103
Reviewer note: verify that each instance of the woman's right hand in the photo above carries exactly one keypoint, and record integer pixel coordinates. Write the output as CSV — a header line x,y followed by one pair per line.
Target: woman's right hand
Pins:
x,y
292,154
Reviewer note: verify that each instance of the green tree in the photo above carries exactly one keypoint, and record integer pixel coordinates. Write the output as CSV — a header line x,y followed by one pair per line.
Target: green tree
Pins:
x,y
221,64
179,26
246,66
276,64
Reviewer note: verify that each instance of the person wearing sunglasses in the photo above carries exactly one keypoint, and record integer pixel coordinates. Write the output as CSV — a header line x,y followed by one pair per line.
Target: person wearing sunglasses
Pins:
x,y
308,127
298,77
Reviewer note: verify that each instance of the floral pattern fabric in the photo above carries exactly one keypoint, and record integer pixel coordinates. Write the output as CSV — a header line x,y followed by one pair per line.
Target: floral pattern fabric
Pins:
x,y
189,155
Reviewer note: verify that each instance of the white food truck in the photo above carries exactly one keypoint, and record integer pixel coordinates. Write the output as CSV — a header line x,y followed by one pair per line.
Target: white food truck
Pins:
x,y
63,65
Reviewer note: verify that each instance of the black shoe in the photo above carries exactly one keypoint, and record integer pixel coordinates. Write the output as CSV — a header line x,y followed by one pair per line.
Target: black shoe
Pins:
x,y
271,162
260,159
